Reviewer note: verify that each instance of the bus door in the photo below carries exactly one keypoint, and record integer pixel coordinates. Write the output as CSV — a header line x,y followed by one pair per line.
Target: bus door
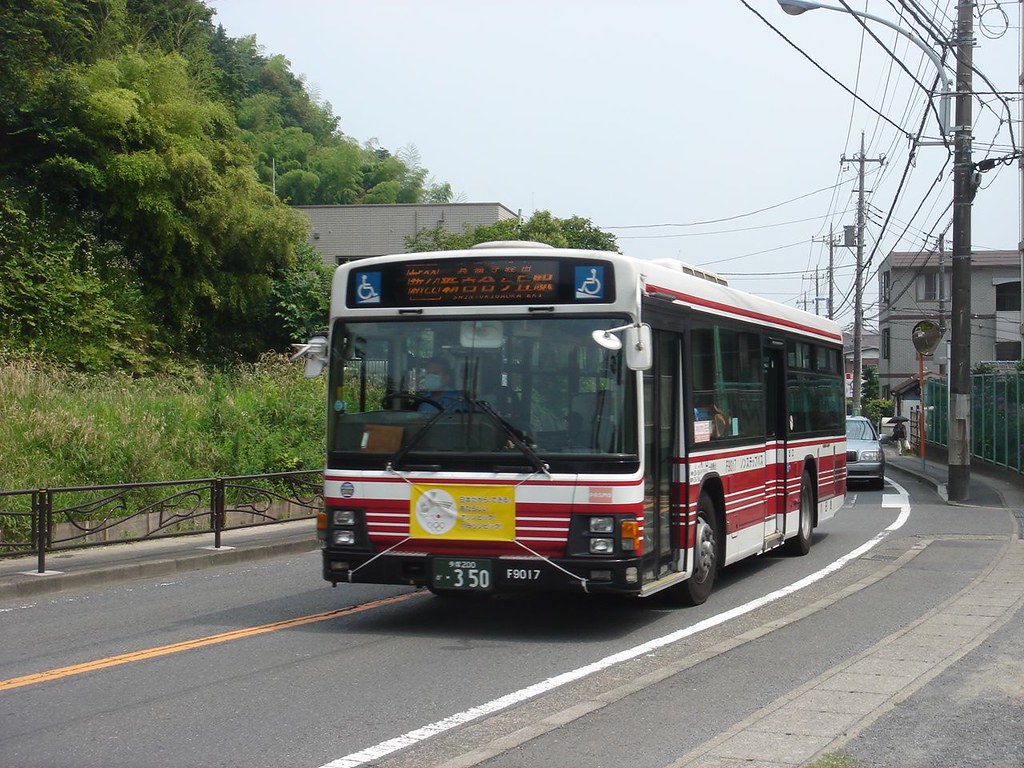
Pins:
x,y
775,441
661,441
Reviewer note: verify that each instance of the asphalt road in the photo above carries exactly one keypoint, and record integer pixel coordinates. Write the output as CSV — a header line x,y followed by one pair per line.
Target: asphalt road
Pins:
x,y
263,664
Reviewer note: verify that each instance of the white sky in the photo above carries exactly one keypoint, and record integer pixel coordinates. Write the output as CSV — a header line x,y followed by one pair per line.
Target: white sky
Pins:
x,y
664,112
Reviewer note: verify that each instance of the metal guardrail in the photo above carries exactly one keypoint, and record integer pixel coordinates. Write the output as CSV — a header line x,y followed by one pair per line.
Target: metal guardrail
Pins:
x,y
997,417
45,520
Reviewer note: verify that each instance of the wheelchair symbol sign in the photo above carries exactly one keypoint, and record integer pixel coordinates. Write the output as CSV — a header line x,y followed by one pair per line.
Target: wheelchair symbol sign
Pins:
x,y
367,288
589,282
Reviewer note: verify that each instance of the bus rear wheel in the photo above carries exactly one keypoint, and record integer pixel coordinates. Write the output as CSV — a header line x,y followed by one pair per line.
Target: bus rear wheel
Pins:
x,y
800,544
696,589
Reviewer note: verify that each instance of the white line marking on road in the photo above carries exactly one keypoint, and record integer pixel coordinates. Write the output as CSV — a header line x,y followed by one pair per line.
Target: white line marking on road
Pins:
x,y
899,500
425,732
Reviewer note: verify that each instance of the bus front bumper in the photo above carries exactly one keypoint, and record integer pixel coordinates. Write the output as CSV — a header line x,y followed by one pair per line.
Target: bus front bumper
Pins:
x,y
482,574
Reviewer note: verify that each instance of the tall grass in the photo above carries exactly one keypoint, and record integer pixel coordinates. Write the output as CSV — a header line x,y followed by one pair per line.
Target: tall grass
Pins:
x,y
63,428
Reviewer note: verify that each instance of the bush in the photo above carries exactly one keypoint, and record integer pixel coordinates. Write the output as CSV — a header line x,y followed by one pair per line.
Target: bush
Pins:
x,y
878,409
60,427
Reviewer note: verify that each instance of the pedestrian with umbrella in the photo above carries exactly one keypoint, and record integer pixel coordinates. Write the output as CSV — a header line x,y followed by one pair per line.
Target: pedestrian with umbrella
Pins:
x,y
899,434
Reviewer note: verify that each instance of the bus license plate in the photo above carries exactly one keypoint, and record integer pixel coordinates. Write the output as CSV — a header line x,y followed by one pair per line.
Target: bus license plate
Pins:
x,y
462,573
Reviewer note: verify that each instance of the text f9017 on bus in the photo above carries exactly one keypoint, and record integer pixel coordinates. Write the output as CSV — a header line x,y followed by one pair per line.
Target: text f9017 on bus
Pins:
x,y
519,417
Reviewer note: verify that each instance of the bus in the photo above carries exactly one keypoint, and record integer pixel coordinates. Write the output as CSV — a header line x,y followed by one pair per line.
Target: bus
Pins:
x,y
609,425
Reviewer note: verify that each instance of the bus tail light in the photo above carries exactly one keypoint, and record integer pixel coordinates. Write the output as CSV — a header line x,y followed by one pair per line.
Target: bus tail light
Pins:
x,y
631,538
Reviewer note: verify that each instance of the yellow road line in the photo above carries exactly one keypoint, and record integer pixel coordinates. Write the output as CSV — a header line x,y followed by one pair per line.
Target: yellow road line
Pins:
x,y
188,645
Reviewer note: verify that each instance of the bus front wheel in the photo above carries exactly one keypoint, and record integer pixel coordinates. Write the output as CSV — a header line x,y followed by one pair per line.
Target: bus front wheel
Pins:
x,y
696,589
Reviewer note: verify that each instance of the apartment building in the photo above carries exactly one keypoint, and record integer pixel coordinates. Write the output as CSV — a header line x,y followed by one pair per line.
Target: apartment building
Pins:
x,y
916,286
341,233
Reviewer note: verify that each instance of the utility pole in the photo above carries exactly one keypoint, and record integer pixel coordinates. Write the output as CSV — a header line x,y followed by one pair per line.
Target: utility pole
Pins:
x,y
830,275
960,320
1020,166
858,285
831,272
817,291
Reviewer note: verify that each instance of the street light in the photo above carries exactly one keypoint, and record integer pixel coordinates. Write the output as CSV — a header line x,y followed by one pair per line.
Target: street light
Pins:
x,y
796,7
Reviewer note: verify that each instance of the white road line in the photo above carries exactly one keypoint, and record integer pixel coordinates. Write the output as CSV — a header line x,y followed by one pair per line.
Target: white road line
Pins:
x,y
376,752
900,500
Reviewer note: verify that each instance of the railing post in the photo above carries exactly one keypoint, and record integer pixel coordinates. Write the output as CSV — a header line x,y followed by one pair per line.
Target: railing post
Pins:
x,y
217,509
37,532
44,513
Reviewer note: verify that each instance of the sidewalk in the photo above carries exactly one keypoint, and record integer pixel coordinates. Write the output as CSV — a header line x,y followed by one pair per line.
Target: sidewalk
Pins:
x,y
151,557
904,702
988,486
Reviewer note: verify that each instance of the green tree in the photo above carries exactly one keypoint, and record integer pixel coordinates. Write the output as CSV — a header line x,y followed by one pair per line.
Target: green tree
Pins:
x,y
298,187
438,193
204,234
583,234
542,227
870,387
141,150
302,296
876,409
339,167
63,298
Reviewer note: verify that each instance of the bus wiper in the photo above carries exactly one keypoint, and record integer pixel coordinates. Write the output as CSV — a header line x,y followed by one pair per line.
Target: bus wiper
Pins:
x,y
400,454
517,437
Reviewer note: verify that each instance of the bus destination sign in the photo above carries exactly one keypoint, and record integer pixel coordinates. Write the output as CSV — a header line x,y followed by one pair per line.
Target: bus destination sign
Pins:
x,y
481,282
464,282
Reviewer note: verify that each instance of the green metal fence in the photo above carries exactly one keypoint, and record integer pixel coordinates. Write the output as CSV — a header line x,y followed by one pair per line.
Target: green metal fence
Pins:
x,y
997,416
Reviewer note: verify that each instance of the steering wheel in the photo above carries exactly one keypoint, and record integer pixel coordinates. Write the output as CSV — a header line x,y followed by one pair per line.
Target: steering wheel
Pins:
x,y
411,397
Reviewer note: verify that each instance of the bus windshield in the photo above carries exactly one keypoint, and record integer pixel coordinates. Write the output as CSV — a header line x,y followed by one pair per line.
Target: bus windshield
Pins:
x,y
432,391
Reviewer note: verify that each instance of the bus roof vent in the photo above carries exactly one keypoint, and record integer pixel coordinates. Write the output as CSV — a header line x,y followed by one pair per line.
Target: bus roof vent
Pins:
x,y
510,244
689,269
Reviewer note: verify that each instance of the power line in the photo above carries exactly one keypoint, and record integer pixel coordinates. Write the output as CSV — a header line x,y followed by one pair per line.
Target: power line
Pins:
x,y
897,59
824,71
726,218
714,232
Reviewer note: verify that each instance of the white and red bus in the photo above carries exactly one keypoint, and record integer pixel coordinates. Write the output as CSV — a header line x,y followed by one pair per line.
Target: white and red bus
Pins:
x,y
609,424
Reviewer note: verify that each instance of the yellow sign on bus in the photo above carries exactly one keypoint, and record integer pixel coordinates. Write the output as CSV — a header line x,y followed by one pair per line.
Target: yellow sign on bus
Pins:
x,y
463,512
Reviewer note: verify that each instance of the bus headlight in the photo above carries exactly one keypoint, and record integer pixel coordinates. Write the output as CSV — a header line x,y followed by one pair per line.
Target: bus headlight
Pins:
x,y
602,524
602,546
344,517
344,537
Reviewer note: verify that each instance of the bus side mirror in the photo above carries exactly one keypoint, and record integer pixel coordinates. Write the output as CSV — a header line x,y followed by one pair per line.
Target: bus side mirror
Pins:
x,y
314,352
639,353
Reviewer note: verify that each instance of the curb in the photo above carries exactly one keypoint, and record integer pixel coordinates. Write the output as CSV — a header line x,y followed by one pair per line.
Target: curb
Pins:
x,y
29,584
921,477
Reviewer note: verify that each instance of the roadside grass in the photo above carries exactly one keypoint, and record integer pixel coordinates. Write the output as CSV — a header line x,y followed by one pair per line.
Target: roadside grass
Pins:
x,y
63,428
838,759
